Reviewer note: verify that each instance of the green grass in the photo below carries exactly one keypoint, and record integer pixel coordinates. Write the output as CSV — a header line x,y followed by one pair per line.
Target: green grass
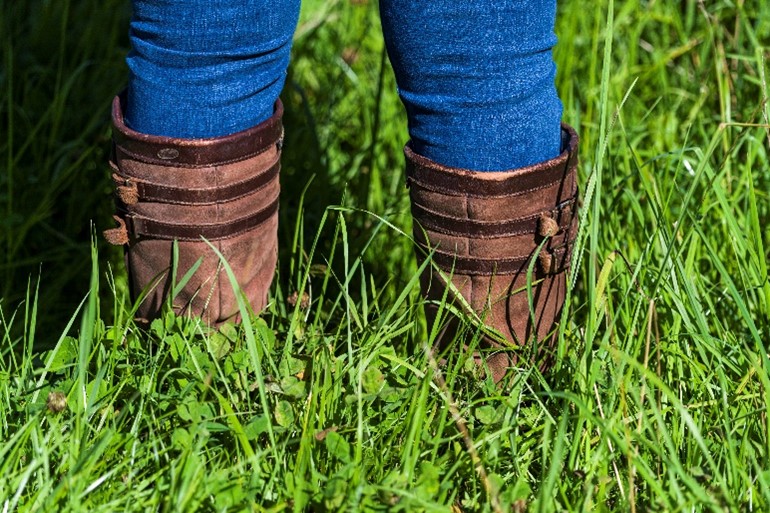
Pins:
x,y
658,401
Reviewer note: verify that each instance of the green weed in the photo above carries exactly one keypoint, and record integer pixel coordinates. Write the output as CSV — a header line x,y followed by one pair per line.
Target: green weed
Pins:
x,y
329,400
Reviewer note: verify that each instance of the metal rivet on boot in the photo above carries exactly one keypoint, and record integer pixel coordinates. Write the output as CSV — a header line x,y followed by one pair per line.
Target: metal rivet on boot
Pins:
x,y
126,190
168,153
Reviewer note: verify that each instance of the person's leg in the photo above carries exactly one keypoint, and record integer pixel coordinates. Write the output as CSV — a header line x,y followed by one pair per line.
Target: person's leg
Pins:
x,y
491,171
206,68
196,154
477,79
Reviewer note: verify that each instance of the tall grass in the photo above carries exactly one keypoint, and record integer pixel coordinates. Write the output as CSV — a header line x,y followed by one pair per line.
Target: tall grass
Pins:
x,y
658,401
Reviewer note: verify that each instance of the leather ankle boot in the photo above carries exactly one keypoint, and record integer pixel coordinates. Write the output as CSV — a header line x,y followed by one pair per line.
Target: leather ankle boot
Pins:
x,y
224,190
482,231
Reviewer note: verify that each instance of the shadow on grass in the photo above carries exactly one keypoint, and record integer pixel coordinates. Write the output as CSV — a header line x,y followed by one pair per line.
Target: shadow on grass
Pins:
x,y
65,62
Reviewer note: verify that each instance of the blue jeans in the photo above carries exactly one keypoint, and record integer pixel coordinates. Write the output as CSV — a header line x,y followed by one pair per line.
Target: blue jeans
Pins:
x,y
476,76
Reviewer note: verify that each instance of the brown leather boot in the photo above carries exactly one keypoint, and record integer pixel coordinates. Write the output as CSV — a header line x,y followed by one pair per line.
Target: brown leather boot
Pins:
x,y
224,190
485,229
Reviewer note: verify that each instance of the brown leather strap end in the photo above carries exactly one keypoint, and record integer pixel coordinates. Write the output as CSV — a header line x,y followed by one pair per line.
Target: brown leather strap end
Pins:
x,y
550,222
130,190
145,228
117,236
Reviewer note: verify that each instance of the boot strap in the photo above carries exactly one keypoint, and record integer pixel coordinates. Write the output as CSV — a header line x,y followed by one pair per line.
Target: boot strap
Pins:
x,y
132,227
547,223
550,261
131,190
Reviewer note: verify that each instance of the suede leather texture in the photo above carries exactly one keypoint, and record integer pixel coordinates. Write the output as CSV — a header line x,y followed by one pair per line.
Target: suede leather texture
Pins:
x,y
489,270
206,166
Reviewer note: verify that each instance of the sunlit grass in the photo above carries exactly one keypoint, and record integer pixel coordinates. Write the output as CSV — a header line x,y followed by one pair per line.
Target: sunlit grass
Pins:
x,y
658,401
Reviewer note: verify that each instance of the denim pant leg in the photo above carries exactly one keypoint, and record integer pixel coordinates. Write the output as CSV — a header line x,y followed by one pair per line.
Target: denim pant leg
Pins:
x,y
206,68
477,79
